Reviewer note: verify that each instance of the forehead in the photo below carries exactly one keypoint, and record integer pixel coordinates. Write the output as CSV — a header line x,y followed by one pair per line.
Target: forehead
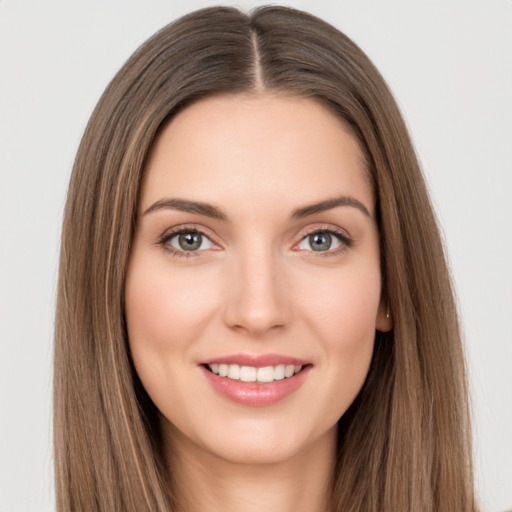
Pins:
x,y
256,147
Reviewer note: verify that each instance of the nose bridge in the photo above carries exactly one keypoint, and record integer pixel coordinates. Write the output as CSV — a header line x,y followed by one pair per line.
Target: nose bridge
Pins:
x,y
258,300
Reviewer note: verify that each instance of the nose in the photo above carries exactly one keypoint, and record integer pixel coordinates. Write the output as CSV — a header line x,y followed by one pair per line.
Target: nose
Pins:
x,y
257,300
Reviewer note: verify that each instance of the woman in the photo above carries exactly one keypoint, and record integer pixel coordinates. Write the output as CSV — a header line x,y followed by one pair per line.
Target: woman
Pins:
x,y
254,307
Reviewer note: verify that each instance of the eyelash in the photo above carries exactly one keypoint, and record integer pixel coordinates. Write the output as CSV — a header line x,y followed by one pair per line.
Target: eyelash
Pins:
x,y
169,235
342,236
345,240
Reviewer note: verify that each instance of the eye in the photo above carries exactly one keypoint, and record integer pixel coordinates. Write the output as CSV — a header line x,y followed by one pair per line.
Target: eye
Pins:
x,y
323,241
189,241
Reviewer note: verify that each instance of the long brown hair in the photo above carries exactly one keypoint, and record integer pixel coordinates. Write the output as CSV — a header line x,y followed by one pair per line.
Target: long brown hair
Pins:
x,y
404,444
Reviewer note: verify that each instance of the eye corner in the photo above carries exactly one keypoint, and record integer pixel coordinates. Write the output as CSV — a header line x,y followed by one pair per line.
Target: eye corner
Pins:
x,y
200,240
331,241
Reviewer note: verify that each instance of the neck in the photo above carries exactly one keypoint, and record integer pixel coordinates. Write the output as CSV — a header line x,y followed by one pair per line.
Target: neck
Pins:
x,y
202,481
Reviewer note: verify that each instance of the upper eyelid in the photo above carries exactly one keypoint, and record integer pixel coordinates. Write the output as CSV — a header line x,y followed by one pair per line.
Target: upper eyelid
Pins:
x,y
188,228
341,234
165,238
325,228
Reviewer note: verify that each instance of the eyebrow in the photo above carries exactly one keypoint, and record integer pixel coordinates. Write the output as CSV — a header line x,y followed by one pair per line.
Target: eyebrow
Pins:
x,y
208,210
329,204
184,205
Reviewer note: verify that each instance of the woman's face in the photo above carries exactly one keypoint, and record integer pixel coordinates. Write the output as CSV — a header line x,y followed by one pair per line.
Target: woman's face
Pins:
x,y
256,256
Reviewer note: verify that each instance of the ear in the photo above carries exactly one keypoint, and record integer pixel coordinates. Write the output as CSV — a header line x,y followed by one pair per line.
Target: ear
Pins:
x,y
384,322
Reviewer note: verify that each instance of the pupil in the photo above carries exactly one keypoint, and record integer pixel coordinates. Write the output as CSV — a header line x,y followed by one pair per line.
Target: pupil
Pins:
x,y
320,241
190,241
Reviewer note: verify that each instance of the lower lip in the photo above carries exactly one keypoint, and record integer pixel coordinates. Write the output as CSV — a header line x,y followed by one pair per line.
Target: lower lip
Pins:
x,y
256,394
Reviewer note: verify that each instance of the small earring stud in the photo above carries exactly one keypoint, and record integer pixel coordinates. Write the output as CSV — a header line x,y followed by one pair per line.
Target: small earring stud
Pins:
x,y
387,314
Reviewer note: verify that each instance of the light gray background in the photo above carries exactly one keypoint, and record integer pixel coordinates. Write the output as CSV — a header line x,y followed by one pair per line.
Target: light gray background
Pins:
x,y
448,62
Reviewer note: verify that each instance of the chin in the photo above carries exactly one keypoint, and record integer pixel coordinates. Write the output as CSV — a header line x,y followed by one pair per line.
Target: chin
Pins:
x,y
257,450
253,442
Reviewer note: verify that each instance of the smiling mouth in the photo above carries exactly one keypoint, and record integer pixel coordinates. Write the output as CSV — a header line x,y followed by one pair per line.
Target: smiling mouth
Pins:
x,y
256,381
263,374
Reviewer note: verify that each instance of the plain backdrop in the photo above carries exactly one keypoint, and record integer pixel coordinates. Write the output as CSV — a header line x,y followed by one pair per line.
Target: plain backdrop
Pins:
x,y
449,63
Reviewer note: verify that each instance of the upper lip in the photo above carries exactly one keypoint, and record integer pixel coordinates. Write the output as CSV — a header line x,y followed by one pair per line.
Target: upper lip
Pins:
x,y
256,361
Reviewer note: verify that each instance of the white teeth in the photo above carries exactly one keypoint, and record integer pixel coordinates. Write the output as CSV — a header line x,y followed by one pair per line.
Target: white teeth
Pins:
x,y
247,373
233,371
223,370
252,374
279,372
265,374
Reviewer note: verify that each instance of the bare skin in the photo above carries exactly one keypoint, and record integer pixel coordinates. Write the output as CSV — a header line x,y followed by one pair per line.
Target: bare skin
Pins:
x,y
299,484
256,240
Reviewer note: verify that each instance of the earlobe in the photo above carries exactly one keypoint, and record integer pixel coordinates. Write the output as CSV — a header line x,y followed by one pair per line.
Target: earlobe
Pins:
x,y
384,321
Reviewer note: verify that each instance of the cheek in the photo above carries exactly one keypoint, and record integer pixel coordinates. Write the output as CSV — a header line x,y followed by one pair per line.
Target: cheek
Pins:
x,y
165,314
165,309
343,305
342,311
